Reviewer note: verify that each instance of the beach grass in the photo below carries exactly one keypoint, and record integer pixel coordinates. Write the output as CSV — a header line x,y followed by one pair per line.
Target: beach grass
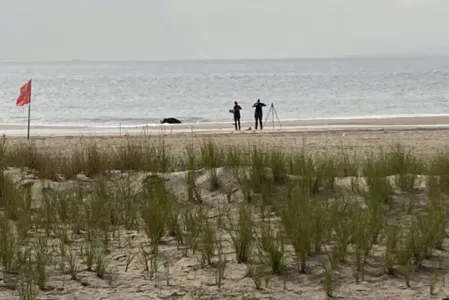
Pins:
x,y
282,213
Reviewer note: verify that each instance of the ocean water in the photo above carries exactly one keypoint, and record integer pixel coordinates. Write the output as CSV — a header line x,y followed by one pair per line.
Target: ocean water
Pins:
x,y
112,94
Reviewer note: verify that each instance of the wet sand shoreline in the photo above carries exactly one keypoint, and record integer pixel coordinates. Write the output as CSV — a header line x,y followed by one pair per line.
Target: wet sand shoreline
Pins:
x,y
287,125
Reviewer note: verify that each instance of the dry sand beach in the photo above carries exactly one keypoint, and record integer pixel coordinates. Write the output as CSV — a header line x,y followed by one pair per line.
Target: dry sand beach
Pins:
x,y
353,141
423,134
123,270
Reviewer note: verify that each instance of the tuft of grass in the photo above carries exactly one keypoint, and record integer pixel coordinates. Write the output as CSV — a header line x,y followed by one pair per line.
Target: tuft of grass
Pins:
x,y
213,179
405,166
211,158
89,252
327,171
101,263
361,239
375,170
273,246
72,263
256,273
9,245
241,232
277,161
342,220
132,156
193,195
193,228
27,288
305,168
438,166
391,249
328,280
257,178
320,225
42,261
296,217
156,212
208,241
374,218
221,265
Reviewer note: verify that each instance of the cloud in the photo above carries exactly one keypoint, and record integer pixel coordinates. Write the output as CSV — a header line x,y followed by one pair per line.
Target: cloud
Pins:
x,y
417,3
164,29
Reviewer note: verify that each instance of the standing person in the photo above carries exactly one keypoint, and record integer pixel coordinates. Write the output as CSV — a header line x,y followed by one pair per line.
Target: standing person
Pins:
x,y
236,111
258,112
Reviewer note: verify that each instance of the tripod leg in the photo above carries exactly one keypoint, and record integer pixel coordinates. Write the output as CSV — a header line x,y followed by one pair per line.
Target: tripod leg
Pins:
x,y
268,114
277,117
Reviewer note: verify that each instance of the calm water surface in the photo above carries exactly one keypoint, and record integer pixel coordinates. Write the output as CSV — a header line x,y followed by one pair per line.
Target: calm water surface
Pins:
x,y
136,93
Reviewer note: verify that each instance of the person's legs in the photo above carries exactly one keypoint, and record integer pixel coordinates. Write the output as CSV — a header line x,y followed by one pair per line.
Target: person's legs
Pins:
x,y
239,124
235,122
255,117
260,122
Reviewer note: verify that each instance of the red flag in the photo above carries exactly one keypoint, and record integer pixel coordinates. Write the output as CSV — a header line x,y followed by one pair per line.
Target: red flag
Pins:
x,y
25,94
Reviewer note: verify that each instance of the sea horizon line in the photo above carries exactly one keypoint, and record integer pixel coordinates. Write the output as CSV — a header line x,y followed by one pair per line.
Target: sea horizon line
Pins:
x,y
406,55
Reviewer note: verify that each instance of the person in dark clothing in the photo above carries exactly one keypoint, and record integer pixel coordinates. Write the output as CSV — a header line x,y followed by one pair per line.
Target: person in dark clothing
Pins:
x,y
236,111
258,114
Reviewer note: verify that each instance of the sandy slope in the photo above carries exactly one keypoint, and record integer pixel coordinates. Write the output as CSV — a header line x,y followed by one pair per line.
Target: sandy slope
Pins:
x,y
188,279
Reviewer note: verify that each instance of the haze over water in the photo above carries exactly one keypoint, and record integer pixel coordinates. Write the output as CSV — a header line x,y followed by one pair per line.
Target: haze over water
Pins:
x,y
137,93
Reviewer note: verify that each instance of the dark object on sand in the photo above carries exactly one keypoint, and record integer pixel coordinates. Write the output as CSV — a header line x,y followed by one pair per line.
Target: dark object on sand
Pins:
x,y
171,121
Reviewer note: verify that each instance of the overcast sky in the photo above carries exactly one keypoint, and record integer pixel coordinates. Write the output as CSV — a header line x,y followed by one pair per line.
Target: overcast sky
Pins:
x,y
197,29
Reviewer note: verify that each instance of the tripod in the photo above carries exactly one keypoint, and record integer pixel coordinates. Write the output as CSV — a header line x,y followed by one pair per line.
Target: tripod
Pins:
x,y
273,112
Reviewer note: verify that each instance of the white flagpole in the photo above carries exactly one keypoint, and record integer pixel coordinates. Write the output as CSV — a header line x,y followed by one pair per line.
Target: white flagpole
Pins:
x,y
29,112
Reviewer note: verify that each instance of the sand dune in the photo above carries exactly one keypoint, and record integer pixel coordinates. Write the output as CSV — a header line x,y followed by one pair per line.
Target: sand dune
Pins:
x,y
182,276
